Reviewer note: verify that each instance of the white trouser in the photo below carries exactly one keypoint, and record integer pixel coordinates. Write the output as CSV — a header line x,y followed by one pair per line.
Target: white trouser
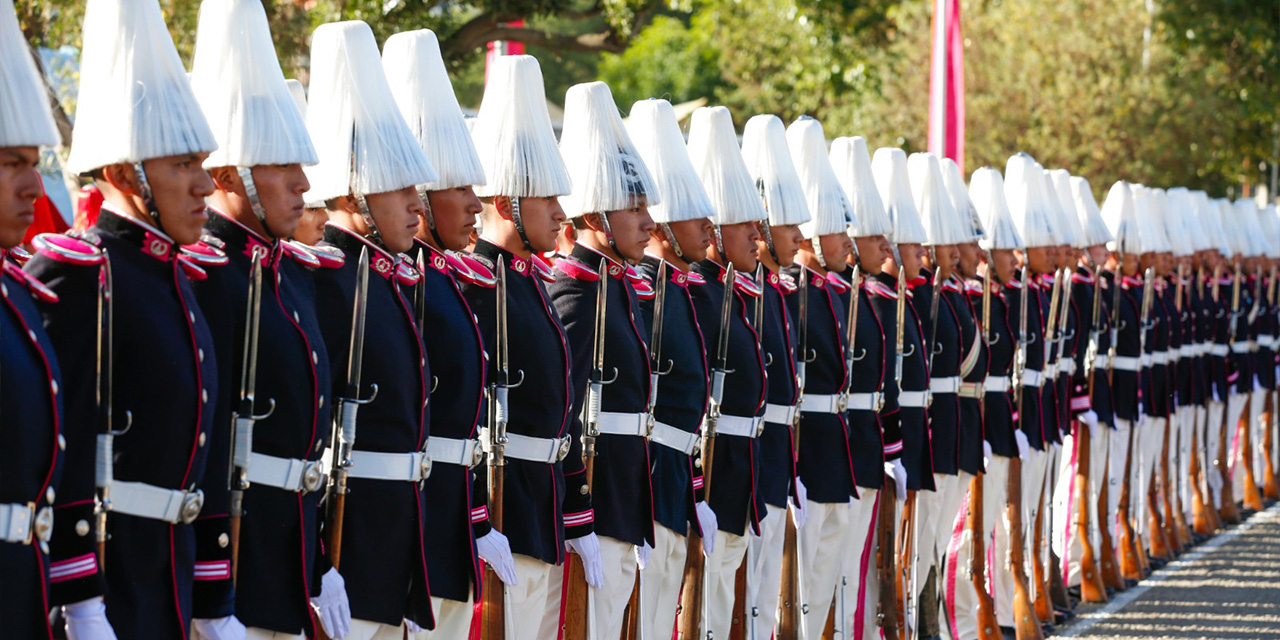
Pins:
x,y
1187,442
369,630
721,573
1235,408
661,580
1150,444
764,572
1066,499
935,515
532,605
824,541
1034,476
1117,454
608,603
254,633
859,588
1257,434
959,591
1213,455
453,620
955,546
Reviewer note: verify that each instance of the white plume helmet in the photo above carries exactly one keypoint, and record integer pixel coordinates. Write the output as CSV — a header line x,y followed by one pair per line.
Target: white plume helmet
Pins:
x,y
852,165
1024,191
1120,211
1166,214
1237,243
1092,225
238,83
764,149
415,70
1246,216
713,150
1182,227
941,222
299,95
365,147
25,118
135,100
1270,229
656,134
889,166
1202,238
513,135
829,208
960,200
1206,215
1058,182
986,188
1150,228
605,169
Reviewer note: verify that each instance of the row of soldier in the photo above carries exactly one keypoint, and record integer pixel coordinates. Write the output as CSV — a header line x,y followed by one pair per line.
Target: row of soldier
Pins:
x,y
930,408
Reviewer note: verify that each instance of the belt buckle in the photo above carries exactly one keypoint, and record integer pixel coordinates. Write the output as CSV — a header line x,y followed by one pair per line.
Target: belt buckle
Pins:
x,y
192,503
477,454
842,402
424,466
759,427
28,522
879,403
563,451
313,477
42,526
928,398
648,426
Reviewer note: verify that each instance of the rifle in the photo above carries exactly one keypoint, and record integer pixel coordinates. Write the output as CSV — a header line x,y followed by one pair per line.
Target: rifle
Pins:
x,y
694,607
343,435
1026,621
104,393
886,552
492,617
988,626
1040,564
577,612
1092,585
1181,534
1271,486
1132,559
1252,497
1202,517
242,418
793,607
1229,512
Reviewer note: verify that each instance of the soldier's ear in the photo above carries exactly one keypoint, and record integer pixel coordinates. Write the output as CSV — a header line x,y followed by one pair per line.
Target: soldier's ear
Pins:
x,y
226,179
346,204
503,206
121,178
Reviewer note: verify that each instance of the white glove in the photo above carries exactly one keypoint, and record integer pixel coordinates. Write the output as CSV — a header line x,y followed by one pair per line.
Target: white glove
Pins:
x,y
709,525
1090,418
87,620
412,626
895,469
494,549
798,511
1024,447
986,450
228,628
332,608
588,549
642,555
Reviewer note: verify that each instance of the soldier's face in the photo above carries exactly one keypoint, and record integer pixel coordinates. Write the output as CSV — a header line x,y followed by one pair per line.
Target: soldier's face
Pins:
x,y
631,228
19,188
912,259
948,256
542,218
179,185
280,189
740,246
397,214
311,226
694,237
1004,262
786,242
1099,254
872,252
454,212
970,258
835,248
1040,259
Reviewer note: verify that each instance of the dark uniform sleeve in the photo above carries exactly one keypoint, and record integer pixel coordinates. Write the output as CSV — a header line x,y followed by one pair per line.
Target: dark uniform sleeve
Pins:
x,y
72,327
887,310
1082,300
575,303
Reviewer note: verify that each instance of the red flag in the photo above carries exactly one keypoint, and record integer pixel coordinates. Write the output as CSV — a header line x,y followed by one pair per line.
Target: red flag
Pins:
x,y
946,83
497,48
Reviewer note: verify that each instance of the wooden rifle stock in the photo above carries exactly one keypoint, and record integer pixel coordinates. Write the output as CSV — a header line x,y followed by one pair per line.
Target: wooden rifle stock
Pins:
x,y
493,611
1110,566
887,608
1025,621
988,626
790,607
689,615
1130,565
1092,588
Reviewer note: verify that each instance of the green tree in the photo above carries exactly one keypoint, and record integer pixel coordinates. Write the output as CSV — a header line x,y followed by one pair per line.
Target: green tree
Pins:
x,y
667,60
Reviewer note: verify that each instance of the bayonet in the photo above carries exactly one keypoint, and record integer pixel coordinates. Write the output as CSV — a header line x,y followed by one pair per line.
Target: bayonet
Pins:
x,y
596,381
656,367
105,393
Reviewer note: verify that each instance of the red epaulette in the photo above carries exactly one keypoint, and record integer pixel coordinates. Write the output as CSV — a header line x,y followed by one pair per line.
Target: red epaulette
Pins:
x,y
19,255
644,290
577,269
877,288
68,249
407,274
1080,278
784,283
472,269
696,278
916,281
203,255
746,285
330,257
837,284
300,254
543,268
193,271
952,286
973,287
37,288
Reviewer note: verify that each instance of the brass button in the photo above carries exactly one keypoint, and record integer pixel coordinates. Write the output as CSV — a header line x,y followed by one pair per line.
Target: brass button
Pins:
x,y
82,528
202,439
223,540
49,495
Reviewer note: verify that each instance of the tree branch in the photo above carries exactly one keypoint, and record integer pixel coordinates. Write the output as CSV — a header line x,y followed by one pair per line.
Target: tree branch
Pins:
x,y
486,28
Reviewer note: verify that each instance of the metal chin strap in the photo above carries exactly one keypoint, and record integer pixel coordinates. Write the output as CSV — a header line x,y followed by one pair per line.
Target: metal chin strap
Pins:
x,y
817,251
374,236
671,239
719,240
608,233
148,199
519,222
768,240
429,215
251,192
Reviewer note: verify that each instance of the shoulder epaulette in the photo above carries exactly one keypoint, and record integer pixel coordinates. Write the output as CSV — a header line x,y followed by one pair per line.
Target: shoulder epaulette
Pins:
x,y
203,255
783,283
542,268
973,287
194,272
38,289
952,286
407,274
643,288
577,269
472,268
877,288
68,249
1080,278
19,255
837,284
696,278
330,257
300,254
747,285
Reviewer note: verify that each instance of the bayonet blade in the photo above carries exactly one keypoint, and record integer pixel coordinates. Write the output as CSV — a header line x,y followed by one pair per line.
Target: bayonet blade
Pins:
x,y
358,315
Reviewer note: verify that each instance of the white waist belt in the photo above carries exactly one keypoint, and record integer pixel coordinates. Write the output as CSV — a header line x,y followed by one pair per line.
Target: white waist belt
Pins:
x,y
822,403
302,476
530,449
672,438
1126,363
1187,351
996,384
400,467
913,399
780,413
1240,347
1068,367
1147,360
949,384
464,453
1101,361
19,523
739,426
156,503
624,424
1050,372
1160,357
1031,378
865,401
1266,341
1219,350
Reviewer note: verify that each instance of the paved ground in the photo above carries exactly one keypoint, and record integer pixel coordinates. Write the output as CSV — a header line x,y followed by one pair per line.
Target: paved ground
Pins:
x,y
1228,587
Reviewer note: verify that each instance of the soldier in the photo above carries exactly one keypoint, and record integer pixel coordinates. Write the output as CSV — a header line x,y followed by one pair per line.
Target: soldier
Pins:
x,y
872,454
608,208
33,428
734,355
678,359
369,166
1248,456
546,501
461,534
764,148
257,171
143,151
824,454
1218,287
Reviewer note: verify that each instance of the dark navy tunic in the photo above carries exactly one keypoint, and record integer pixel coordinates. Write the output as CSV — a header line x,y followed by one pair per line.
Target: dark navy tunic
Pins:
x,y
385,530
946,352
867,444
999,413
1029,413
31,459
973,370
904,425
1082,295
780,340
1220,335
166,377
1124,382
